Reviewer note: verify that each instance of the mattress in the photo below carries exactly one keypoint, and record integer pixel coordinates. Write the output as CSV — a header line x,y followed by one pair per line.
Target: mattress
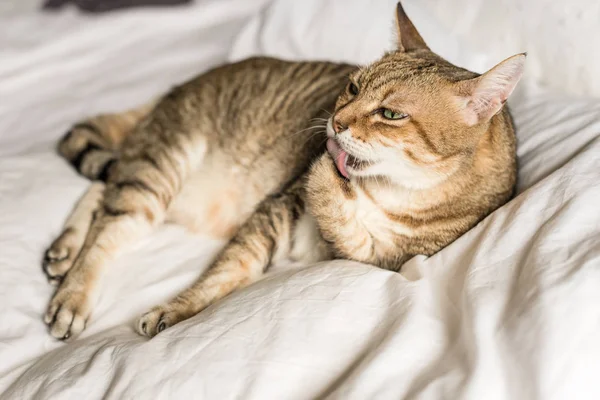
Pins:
x,y
511,310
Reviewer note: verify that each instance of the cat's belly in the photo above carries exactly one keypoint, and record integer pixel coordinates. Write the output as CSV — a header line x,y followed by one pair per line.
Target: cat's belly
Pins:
x,y
221,195
214,201
216,205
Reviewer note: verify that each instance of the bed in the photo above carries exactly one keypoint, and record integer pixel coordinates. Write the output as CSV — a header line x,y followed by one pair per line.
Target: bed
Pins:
x,y
511,310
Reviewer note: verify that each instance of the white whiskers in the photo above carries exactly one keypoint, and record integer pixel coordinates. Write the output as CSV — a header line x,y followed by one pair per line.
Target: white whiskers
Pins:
x,y
309,128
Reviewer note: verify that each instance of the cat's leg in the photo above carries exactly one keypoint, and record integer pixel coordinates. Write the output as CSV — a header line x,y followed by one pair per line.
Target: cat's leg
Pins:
x,y
332,201
91,145
265,237
114,228
62,252
136,197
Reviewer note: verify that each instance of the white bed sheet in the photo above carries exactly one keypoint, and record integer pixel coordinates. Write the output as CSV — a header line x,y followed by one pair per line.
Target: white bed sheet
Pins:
x,y
510,310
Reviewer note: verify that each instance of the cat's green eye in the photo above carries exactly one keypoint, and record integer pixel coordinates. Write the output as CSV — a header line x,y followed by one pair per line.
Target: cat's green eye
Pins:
x,y
389,114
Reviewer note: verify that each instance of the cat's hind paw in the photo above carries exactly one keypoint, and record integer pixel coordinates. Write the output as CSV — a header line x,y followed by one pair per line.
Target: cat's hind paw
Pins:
x,y
60,256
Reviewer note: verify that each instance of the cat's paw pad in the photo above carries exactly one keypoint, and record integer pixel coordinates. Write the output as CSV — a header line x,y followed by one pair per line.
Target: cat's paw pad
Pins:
x,y
57,253
59,258
76,139
158,319
67,313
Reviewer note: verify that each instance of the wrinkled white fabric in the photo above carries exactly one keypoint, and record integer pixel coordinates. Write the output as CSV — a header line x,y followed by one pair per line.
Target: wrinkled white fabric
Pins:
x,y
511,310
561,37
354,31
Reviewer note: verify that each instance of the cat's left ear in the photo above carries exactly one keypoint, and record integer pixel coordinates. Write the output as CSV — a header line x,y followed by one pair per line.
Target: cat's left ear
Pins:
x,y
484,96
409,38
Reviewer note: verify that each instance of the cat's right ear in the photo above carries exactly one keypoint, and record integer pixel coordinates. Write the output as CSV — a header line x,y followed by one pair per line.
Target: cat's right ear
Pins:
x,y
484,96
409,38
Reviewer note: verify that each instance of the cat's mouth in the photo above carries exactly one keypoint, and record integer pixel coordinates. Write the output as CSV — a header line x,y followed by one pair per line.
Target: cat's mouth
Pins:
x,y
344,161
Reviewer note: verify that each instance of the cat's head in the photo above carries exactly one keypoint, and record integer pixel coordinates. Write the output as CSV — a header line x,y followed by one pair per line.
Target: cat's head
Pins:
x,y
414,118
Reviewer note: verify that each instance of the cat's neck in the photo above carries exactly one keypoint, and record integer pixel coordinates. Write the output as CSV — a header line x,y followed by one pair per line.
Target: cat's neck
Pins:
x,y
393,196
384,192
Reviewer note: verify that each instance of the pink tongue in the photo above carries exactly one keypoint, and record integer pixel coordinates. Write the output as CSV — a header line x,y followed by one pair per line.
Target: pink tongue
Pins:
x,y
339,156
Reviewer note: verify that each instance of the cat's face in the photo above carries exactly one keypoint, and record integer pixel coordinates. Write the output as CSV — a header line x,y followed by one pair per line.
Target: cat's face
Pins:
x,y
412,118
397,119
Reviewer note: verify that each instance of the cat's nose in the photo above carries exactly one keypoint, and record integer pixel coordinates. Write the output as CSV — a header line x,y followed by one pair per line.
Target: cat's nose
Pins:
x,y
338,126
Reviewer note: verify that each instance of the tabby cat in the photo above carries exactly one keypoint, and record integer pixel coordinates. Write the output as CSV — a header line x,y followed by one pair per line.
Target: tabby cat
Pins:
x,y
417,152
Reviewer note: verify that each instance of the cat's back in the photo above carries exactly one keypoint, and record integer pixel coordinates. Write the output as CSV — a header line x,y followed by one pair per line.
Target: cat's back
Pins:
x,y
262,94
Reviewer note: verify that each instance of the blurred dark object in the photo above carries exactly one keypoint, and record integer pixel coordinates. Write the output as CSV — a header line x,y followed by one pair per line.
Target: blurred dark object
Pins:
x,y
109,5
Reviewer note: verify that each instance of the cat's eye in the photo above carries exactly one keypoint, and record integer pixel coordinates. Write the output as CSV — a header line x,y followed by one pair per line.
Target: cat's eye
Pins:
x,y
352,89
389,114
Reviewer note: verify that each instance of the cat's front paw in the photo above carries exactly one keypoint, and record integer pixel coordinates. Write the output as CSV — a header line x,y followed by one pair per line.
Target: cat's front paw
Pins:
x,y
60,256
160,318
325,180
68,311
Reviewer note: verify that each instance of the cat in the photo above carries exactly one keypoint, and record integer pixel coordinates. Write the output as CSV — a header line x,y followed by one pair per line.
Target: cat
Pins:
x,y
412,152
